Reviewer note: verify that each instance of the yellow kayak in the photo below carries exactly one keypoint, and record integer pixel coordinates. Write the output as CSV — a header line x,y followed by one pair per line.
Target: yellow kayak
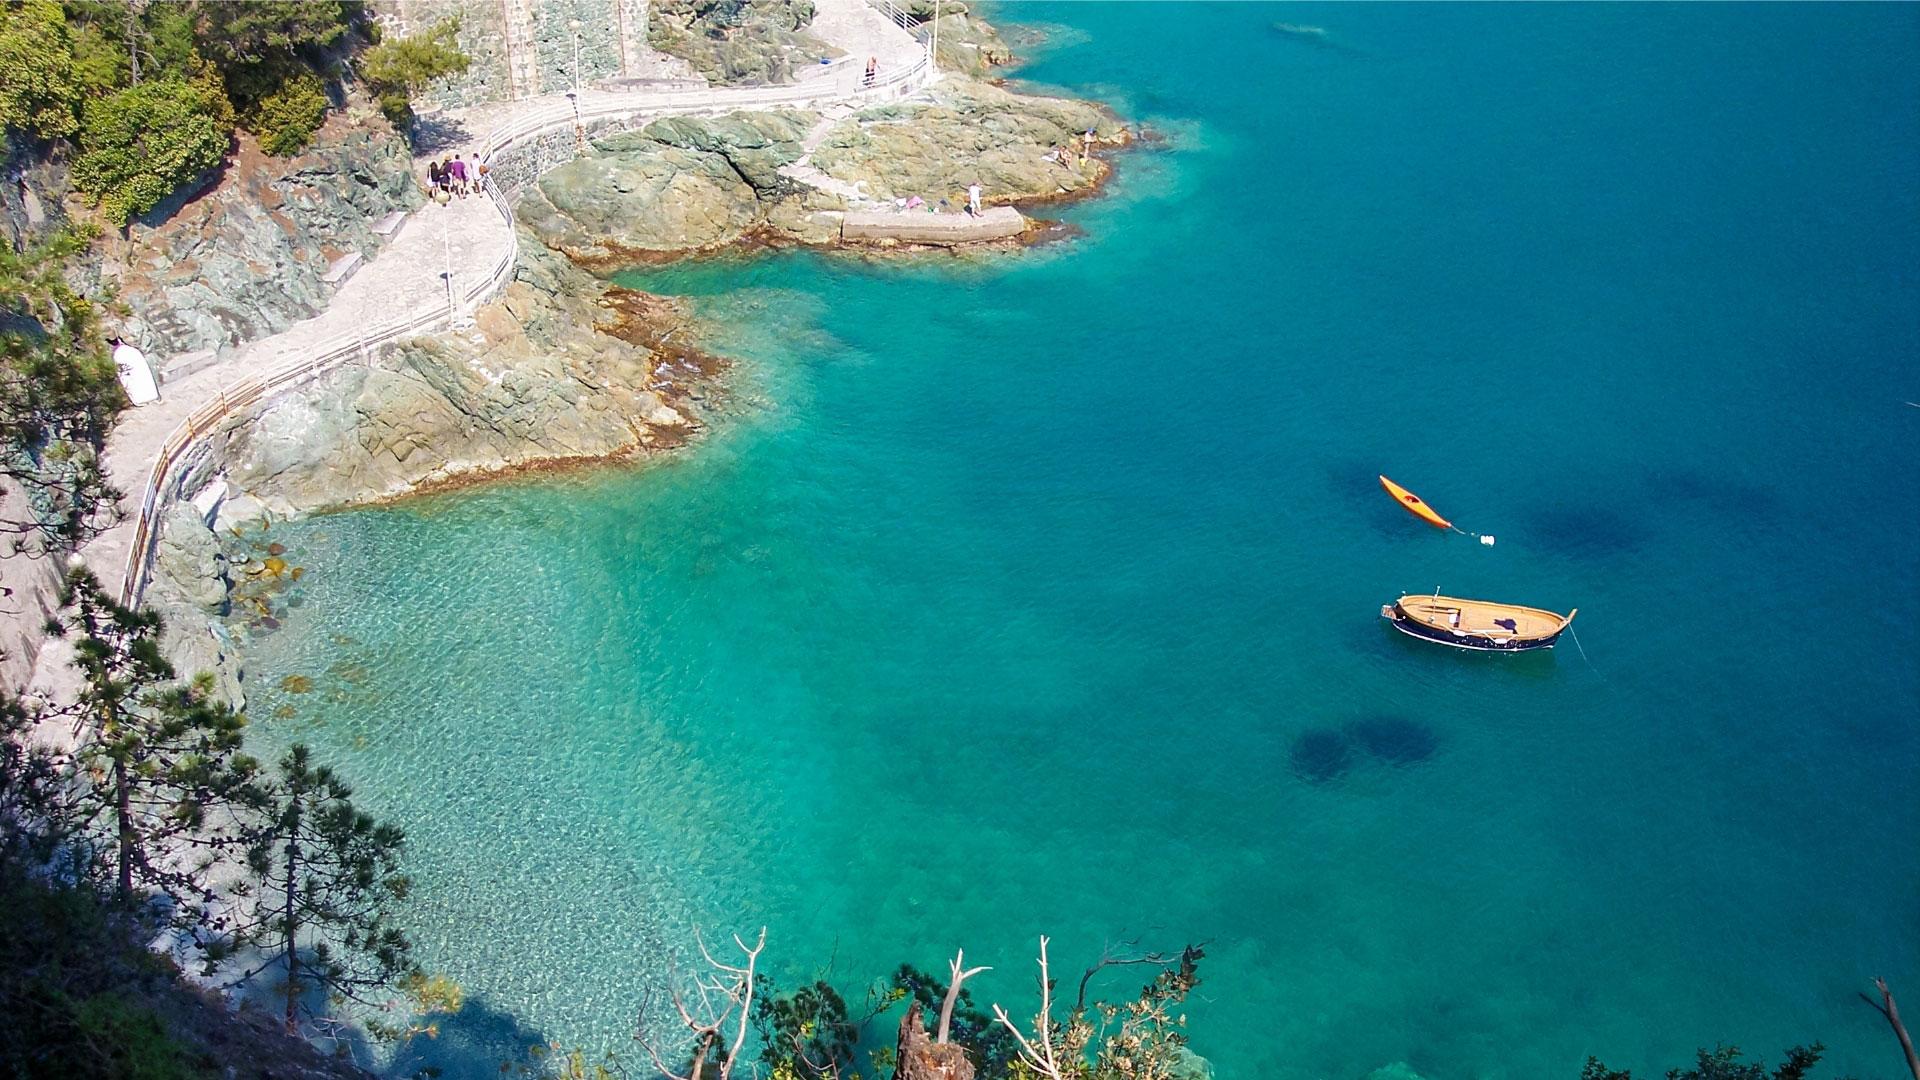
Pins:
x,y
1415,505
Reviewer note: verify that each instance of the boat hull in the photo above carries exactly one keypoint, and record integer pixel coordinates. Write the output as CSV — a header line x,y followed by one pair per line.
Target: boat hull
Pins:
x,y
1461,639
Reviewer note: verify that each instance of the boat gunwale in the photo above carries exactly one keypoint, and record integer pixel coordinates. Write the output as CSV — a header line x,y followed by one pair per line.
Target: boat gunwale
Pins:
x,y
1559,622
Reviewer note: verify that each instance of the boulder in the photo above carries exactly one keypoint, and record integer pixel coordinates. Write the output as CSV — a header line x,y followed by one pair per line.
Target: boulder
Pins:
x,y
676,184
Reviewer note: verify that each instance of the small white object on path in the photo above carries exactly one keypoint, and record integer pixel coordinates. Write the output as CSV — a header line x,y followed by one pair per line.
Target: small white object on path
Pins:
x,y
136,375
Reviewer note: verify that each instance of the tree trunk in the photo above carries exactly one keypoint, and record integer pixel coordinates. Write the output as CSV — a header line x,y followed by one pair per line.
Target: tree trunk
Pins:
x,y
129,837
920,1058
290,924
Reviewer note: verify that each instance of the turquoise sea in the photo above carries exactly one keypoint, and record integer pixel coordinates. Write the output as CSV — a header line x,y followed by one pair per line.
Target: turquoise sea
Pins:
x,y
1012,596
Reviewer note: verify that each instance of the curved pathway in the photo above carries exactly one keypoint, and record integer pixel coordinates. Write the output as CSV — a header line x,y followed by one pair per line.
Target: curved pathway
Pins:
x,y
404,289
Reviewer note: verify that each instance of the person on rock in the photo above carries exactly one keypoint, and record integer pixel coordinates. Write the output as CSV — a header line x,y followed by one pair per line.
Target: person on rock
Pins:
x,y
973,200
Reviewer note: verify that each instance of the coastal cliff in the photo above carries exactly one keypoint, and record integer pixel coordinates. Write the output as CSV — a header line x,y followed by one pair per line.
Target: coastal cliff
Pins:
x,y
249,255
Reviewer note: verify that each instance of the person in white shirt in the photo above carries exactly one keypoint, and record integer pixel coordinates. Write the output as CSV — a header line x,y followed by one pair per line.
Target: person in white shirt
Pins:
x,y
136,375
973,199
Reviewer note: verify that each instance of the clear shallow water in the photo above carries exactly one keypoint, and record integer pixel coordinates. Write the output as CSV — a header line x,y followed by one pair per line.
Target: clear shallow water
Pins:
x,y
1001,600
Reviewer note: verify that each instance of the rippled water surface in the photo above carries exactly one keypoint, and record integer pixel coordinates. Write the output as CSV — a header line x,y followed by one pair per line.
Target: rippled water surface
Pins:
x,y
1039,595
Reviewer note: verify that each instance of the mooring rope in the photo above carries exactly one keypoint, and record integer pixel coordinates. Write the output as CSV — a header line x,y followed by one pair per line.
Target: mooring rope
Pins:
x,y
1583,654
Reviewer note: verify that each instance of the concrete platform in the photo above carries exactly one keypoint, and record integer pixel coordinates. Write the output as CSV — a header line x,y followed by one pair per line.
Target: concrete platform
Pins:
x,y
918,227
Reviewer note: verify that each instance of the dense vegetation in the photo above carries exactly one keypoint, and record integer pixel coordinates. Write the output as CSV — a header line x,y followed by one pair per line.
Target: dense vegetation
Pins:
x,y
149,93
145,97
158,824
58,393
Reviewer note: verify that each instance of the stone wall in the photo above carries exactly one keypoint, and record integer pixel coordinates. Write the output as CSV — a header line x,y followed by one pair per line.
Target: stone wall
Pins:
x,y
525,48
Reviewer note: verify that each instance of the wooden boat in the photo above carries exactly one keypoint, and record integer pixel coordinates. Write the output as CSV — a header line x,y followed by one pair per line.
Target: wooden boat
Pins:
x,y
1476,624
1415,505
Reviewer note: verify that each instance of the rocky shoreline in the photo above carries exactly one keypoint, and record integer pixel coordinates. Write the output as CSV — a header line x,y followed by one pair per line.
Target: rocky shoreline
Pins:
x,y
694,185
563,369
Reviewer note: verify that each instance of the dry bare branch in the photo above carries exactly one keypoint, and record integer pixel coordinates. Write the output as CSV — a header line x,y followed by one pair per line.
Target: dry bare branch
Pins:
x,y
953,990
1041,1058
1891,1011
722,1000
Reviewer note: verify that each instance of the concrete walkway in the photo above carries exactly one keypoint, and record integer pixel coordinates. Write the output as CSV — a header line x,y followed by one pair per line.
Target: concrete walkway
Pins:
x,y
406,277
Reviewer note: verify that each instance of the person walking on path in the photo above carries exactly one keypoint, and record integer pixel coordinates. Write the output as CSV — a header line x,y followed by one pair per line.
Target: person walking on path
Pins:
x,y
973,199
435,179
873,69
459,176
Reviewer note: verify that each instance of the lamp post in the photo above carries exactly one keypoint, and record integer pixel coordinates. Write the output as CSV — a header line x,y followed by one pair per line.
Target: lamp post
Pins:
x,y
574,25
446,247
579,129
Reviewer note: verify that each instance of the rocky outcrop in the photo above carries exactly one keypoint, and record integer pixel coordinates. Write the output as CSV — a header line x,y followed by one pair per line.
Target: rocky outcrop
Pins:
x,y
969,132
691,183
674,184
31,193
559,368
967,44
189,592
738,44
248,258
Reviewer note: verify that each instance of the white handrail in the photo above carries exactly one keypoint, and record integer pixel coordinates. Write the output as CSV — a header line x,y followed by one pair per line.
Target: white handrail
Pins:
x,y
540,120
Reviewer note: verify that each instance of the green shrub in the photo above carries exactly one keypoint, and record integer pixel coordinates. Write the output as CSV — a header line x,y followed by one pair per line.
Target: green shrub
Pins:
x,y
286,119
38,90
139,145
398,68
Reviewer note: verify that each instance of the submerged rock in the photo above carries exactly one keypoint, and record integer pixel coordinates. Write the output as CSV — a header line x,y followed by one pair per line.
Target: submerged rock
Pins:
x,y
1321,755
1394,740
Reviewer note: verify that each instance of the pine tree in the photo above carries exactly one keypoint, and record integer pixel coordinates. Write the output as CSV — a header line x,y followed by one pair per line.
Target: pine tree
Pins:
x,y
167,781
325,877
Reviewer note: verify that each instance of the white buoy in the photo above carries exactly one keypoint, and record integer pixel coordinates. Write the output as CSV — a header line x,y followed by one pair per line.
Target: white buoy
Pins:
x,y
1487,540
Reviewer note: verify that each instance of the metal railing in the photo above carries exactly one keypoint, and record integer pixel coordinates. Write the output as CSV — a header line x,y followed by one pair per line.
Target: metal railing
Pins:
x,y
847,84
919,28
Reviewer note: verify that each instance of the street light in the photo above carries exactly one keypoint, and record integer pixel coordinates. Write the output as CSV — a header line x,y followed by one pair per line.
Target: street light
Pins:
x,y
575,27
579,129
